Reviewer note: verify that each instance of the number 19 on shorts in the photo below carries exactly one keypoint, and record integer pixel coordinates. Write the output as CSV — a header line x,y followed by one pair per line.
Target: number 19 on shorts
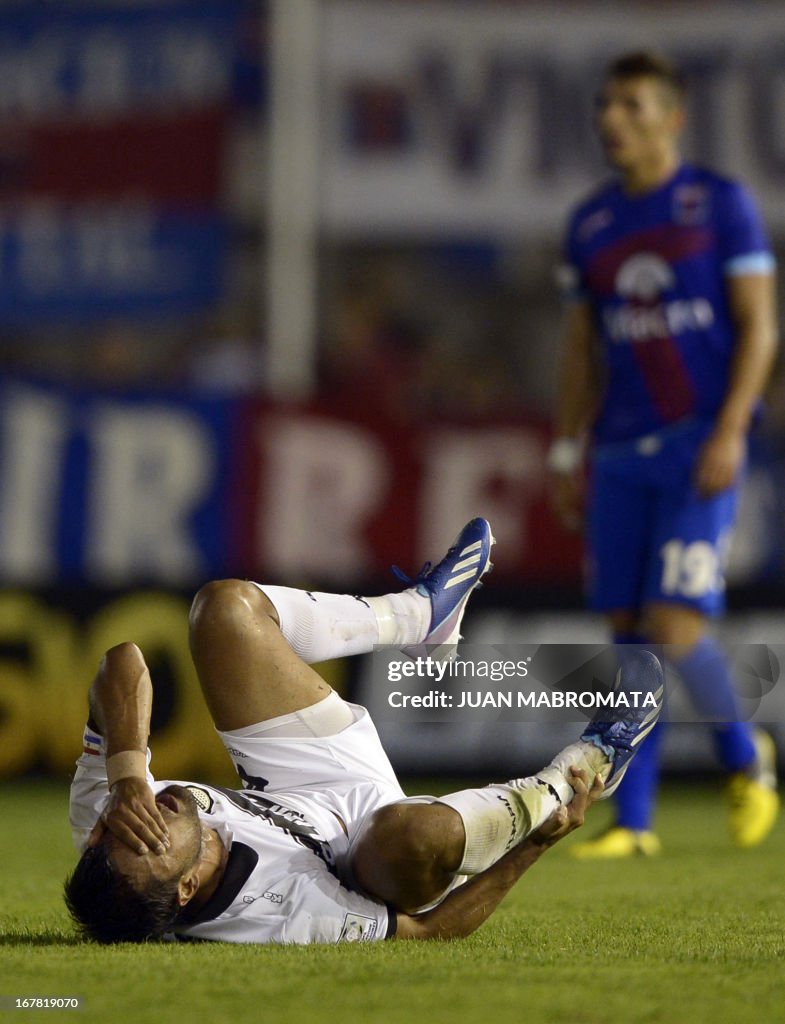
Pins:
x,y
694,569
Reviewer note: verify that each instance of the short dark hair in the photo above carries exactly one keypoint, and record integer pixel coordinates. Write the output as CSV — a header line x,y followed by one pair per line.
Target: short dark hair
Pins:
x,y
107,908
647,64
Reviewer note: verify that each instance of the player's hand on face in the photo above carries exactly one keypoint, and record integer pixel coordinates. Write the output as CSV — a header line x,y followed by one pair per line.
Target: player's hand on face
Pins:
x,y
719,461
568,500
566,819
132,815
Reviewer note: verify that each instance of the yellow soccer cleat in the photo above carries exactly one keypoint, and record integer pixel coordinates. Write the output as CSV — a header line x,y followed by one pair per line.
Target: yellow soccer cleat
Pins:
x,y
753,801
617,843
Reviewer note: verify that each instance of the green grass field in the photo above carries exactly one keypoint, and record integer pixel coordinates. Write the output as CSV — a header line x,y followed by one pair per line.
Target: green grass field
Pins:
x,y
695,936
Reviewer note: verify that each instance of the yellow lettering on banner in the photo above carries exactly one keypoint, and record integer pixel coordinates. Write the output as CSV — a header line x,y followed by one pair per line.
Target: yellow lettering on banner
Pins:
x,y
61,681
26,711
49,660
18,725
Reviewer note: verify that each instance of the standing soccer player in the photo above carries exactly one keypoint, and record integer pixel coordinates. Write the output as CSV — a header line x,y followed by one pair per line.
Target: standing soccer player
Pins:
x,y
670,337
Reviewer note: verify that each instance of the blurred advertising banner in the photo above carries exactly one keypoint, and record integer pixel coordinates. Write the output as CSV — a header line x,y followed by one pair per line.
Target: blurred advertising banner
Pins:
x,y
111,490
120,490
117,490
79,261
112,149
477,118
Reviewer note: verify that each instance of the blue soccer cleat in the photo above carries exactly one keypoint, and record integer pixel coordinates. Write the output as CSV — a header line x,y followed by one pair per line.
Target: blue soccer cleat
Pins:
x,y
448,586
619,739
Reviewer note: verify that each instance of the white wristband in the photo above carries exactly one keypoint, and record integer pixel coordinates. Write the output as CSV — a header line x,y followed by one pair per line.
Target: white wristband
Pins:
x,y
125,765
564,455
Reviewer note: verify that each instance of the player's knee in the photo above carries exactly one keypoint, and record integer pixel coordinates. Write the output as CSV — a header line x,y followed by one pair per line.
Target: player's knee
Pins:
x,y
226,604
673,624
624,622
123,657
406,853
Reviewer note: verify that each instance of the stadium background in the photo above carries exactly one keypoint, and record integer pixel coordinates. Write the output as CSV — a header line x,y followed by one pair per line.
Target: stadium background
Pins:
x,y
277,300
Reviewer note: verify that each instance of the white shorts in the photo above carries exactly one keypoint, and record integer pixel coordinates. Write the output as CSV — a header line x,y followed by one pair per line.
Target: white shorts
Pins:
x,y
336,781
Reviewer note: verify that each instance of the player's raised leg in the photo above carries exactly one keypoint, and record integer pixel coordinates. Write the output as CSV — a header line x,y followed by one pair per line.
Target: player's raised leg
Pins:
x,y
253,644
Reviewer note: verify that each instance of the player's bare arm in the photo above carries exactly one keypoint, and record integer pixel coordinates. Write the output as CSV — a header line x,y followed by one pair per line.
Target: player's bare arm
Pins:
x,y
121,701
464,910
752,303
577,405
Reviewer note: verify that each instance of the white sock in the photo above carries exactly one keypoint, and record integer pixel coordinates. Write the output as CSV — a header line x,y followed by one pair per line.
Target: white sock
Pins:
x,y
321,626
497,817
404,619
583,755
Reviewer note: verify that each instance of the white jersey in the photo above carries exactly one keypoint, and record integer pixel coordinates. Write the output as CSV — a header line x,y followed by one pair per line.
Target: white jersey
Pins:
x,y
281,882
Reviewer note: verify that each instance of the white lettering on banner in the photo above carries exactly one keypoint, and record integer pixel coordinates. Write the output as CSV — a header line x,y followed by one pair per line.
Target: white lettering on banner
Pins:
x,y
324,481
151,468
112,68
106,248
489,113
485,472
34,431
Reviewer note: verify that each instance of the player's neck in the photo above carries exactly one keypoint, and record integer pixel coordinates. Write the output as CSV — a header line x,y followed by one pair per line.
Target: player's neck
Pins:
x,y
648,177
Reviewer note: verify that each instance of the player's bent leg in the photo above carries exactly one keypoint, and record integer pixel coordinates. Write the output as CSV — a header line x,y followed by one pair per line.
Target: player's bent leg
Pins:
x,y
404,843
408,853
247,670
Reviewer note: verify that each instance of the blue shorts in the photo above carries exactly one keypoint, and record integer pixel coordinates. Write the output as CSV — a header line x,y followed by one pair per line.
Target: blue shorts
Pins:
x,y
651,537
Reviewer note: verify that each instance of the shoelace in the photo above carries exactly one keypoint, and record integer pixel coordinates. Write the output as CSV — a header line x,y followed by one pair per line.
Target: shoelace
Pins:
x,y
408,580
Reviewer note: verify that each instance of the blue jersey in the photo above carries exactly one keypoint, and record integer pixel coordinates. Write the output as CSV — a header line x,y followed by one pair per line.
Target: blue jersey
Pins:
x,y
654,268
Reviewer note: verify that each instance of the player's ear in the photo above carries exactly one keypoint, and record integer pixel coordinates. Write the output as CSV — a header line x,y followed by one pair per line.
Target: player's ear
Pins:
x,y
187,887
96,835
676,116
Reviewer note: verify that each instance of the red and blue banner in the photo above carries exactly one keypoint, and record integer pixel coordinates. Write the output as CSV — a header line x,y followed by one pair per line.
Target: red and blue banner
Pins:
x,y
113,128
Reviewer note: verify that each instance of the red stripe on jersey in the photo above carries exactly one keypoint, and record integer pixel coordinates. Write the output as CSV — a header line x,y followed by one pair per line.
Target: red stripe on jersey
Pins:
x,y
666,378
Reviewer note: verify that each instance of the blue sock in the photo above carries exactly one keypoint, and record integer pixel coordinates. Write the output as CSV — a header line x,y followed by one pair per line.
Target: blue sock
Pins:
x,y
638,789
707,675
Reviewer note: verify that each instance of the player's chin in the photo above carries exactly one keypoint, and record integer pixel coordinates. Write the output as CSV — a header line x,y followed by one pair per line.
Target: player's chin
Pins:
x,y
178,799
616,153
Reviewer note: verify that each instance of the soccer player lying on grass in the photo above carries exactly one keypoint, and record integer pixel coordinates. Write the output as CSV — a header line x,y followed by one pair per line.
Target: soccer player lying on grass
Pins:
x,y
320,844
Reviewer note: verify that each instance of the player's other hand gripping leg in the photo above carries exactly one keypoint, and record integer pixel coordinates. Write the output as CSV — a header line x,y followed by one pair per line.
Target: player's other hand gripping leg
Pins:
x,y
641,674
610,742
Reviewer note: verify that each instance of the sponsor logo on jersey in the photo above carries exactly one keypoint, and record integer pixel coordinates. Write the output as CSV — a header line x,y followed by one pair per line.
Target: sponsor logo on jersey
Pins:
x,y
644,276
357,928
203,799
273,897
691,204
642,279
